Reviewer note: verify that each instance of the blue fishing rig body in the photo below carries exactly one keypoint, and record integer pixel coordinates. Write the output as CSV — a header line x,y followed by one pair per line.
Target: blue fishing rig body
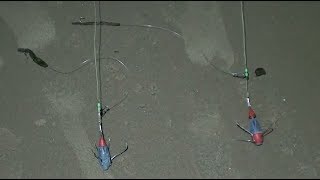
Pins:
x,y
256,132
103,154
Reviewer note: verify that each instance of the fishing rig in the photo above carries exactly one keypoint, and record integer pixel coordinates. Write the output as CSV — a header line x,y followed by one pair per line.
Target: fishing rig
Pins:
x,y
102,147
255,130
103,152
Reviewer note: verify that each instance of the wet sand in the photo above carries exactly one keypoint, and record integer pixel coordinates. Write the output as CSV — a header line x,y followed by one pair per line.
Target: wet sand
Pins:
x,y
179,117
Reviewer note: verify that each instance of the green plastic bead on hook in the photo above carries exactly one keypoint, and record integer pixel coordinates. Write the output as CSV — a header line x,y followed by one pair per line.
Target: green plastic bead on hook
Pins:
x,y
99,107
246,73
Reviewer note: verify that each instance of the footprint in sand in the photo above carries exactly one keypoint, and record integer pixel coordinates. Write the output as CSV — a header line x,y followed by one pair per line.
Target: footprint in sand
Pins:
x,y
10,167
66,103
204,32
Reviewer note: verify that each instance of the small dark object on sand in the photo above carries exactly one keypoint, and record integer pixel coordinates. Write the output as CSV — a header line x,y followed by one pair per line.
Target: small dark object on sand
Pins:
x,y
260,72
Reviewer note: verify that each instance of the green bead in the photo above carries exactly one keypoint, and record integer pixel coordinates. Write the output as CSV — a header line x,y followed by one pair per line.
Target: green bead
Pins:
x,y
246,73
99,106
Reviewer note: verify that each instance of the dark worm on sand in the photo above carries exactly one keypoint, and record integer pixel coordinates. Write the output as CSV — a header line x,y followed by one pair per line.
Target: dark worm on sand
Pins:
x,y
35,59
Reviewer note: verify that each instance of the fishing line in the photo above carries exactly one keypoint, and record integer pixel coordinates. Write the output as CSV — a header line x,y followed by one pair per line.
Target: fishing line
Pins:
x,y
152,26
244,37
108,23
85,62
245,75
95,64
99,55
216,67
43,64
97,67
